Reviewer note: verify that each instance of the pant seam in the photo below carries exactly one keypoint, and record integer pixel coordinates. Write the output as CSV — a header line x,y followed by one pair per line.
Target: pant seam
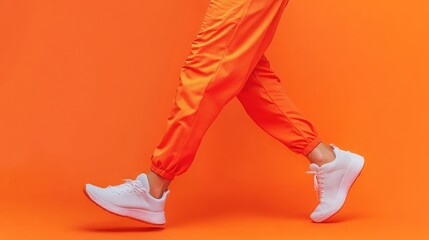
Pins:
x,y
272,100
268,29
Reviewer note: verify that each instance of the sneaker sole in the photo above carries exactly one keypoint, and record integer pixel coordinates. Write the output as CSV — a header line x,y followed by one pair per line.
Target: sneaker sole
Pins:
x,y
156,218
350,177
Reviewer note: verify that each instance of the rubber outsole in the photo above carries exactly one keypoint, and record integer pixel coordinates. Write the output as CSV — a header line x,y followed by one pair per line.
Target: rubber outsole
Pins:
x,y
107,210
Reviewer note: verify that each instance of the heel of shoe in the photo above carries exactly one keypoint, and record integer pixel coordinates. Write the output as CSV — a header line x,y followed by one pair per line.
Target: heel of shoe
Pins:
x,y
358,162
354,170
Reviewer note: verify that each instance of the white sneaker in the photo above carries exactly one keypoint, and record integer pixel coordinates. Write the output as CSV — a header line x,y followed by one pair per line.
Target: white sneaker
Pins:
x,y
130,199
333,180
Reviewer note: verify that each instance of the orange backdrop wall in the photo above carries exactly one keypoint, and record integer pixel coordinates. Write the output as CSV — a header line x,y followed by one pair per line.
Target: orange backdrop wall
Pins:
x,y
86,88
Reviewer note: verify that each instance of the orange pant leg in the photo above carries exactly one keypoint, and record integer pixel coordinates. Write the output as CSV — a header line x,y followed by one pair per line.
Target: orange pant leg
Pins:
x,y
265,100
232,38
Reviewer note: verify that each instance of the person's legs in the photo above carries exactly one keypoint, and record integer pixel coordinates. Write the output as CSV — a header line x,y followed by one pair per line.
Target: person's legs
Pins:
x,y
232,38
289,126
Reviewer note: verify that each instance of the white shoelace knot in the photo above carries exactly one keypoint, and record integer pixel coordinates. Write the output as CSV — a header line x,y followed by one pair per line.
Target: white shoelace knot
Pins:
x,y
130,186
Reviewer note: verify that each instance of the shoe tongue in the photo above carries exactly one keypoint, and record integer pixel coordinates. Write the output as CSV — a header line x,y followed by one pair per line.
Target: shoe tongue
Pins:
x,y
144,181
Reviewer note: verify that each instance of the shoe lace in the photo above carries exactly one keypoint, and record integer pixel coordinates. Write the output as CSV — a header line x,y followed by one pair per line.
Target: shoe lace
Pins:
x,y
130,186
318,183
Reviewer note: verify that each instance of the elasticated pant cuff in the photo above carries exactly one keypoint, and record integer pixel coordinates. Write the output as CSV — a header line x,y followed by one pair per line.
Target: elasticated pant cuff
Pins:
x,y
162,172
311,146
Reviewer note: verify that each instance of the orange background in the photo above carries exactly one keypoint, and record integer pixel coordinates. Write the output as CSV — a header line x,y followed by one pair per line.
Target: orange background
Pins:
x,y
86,88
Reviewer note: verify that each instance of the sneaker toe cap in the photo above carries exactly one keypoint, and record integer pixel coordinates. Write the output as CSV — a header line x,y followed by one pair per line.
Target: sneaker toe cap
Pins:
x,y
92,189
321,213
316,216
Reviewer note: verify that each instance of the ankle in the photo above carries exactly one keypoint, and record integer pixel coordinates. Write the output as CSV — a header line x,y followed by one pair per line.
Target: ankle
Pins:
x,y
157,184
157,193
321,154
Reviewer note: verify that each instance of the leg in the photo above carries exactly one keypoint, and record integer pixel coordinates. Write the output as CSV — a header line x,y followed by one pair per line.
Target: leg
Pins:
x,y
232,38
267,103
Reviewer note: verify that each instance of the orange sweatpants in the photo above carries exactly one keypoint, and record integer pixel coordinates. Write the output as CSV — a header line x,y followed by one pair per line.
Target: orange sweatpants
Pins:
x,y
227,60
